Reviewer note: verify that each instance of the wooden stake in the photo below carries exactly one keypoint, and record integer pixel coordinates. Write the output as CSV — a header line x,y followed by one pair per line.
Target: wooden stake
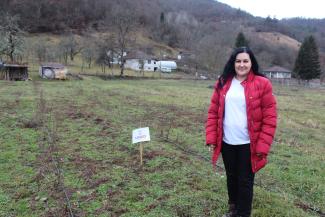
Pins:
x,y
141,153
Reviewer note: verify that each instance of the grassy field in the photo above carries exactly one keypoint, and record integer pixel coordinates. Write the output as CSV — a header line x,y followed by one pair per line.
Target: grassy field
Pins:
x,y
65,150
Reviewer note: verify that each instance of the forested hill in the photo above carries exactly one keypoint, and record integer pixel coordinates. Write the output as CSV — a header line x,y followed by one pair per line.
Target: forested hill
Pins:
x,y
200,26
52,15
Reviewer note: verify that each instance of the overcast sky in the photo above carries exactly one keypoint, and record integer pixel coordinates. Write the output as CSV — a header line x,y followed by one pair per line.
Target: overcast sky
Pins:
x,y
280,8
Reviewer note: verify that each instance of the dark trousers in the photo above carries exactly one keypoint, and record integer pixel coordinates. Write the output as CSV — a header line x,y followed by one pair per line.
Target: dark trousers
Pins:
x,y
240,178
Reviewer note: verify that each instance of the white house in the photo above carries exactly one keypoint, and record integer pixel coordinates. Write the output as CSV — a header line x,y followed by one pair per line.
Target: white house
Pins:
x,y
141,64
138,60
277,72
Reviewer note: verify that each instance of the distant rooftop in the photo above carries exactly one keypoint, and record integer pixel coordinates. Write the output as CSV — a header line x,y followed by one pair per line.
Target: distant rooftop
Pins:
x,y
14,65
53,65
136,54
277,69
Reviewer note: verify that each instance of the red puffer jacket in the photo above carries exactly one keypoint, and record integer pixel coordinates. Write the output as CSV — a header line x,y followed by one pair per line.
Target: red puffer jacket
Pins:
x,y
261,118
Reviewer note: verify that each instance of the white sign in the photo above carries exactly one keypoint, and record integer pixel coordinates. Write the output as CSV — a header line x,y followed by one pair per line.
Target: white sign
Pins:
x,y
140,135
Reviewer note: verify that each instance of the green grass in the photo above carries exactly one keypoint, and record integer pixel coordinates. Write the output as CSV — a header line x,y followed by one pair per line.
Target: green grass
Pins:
x,y
85,126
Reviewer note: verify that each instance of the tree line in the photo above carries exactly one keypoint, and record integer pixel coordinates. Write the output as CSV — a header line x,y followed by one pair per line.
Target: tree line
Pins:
x,y
13,43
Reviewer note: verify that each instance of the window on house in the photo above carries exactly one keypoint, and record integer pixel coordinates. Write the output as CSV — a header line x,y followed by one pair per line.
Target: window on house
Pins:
x,y
149,61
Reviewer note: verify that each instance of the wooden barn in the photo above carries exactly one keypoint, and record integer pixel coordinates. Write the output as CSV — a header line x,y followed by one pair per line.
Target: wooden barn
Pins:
x,y
13,71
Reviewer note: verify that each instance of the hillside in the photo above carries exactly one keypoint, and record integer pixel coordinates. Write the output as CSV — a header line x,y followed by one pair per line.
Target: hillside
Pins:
x,y
279,39
205,28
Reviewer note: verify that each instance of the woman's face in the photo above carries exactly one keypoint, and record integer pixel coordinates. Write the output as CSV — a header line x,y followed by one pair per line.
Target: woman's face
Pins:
x,y
243,65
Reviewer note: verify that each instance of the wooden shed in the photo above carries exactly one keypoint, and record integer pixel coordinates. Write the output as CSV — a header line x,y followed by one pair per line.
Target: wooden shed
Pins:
x,y
53,71
13,71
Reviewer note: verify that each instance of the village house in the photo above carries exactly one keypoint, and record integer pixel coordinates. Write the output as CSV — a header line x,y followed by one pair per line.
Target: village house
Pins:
x,y
138,61
277,72
13,71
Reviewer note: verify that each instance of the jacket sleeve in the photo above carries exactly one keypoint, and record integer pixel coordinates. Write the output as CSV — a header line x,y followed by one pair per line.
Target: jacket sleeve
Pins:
x,y
269,120
211,125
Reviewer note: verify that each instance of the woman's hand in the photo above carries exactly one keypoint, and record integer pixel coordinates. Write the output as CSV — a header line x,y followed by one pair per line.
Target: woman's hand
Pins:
x,y
211,147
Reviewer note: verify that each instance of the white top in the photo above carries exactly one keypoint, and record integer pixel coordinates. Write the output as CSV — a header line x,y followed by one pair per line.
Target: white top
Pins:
x,y
235,120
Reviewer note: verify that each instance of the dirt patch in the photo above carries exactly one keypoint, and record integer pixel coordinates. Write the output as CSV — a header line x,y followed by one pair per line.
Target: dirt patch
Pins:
x,y
33,123
109,206
98,120
88,168
156,203
98,182
112,210
79,115
153,154
89,197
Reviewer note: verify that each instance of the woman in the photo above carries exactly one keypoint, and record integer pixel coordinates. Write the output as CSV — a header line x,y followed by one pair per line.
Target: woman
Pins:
x,y
241,125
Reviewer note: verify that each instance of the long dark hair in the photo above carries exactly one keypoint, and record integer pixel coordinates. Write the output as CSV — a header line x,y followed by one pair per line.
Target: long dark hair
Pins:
x,y
229,70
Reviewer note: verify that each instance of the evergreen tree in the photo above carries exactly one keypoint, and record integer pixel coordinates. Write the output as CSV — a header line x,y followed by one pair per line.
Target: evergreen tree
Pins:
x,y
162,18
307,65
241,41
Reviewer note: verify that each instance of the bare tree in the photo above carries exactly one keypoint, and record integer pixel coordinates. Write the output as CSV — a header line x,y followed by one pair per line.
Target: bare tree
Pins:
x,y
141,66
124,24
64,50
106,51
69,47
208,53
73,46
12,41
40,49
89,50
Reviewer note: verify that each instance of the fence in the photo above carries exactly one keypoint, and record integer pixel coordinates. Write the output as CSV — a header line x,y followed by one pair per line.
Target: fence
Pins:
x,y
315,83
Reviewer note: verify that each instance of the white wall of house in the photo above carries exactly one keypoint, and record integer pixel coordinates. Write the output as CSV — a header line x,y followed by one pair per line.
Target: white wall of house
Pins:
x,y
148,65
151,65
278,75
277,72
